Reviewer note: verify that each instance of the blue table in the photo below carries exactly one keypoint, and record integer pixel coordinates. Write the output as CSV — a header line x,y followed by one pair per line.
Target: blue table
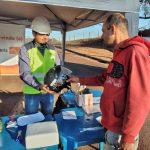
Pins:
x,y
7,143
82,131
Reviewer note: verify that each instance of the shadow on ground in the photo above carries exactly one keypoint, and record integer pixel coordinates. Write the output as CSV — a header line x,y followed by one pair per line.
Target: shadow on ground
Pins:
x,y
83,70
10,103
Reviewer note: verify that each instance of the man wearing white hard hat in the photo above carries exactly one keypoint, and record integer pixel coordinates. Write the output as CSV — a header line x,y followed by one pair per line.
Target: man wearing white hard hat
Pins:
x,y
35,59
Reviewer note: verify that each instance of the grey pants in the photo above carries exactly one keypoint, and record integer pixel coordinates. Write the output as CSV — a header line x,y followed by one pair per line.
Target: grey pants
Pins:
x,y
113,141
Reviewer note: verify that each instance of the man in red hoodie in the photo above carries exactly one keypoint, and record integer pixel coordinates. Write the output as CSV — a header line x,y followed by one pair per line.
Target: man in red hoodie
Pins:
x,y
125,101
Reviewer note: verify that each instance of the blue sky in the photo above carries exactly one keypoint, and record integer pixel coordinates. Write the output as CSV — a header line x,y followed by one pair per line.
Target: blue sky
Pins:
x,y
144,24
88,32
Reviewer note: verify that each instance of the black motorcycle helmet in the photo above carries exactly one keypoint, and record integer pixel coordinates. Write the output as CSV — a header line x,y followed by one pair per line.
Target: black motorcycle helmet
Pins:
x,y
56,78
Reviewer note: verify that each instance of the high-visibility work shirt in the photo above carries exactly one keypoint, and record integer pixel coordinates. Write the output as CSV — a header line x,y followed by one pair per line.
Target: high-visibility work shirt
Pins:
x,y
33,65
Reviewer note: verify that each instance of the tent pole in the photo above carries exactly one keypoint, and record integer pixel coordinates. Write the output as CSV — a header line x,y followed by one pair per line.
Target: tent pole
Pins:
x,y
63,45
133,22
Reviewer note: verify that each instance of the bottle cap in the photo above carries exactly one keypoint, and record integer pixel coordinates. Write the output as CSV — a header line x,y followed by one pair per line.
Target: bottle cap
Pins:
x,y
11,118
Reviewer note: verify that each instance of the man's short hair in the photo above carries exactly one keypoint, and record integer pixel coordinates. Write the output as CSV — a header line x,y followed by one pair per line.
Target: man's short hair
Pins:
x,y
118,20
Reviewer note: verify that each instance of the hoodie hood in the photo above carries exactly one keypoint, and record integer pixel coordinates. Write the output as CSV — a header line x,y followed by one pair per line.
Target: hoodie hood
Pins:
x,y
136,40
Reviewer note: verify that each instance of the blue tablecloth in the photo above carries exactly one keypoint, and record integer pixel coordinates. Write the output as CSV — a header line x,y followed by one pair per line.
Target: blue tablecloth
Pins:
x,y
84,130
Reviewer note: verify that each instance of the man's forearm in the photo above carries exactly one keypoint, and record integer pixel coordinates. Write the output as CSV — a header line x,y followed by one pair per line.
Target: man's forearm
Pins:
x,y
30,80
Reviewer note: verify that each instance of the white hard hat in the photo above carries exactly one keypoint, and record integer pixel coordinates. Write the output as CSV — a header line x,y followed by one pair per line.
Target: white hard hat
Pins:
x,y
41,25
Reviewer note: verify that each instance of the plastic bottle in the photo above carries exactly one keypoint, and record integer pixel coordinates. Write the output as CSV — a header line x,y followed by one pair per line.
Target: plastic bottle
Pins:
x,y
19,136
1,126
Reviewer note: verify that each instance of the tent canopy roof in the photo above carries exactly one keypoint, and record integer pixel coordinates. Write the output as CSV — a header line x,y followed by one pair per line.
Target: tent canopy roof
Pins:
x,y
63,14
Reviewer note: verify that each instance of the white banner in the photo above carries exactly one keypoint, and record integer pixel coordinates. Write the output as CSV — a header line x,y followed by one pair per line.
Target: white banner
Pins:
x,y
12,37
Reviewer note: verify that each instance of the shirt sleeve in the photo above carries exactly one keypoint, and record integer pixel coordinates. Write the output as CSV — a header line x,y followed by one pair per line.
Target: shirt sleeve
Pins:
x,y
94,80
24,69
138,94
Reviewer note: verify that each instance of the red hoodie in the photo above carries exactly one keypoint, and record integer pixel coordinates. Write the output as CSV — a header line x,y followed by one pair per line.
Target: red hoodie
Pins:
x,y
125,101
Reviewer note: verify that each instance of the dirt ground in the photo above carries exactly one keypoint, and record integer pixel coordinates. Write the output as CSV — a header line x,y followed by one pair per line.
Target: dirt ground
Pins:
x,y
11,96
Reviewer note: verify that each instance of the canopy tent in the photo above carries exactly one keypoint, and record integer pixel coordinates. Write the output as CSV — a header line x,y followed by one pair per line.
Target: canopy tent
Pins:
x,y
68,15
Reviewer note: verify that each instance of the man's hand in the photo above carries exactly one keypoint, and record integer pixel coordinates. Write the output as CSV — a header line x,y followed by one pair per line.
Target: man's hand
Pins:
x,y
46,89
73,79
127,146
